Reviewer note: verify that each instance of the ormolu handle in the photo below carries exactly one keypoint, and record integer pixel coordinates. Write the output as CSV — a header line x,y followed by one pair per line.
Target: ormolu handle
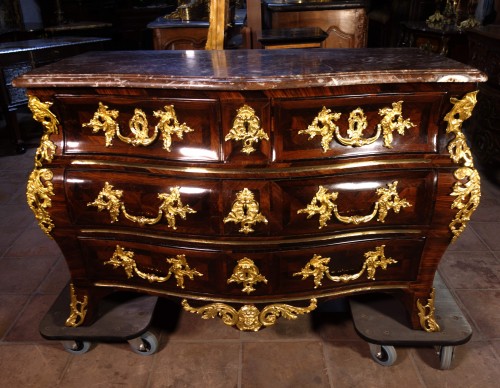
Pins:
x,y
324,204
171,206
318,267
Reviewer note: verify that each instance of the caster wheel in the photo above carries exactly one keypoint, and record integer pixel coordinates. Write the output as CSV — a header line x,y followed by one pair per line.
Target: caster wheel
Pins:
x,y
145,345
77,346
384,355
446,354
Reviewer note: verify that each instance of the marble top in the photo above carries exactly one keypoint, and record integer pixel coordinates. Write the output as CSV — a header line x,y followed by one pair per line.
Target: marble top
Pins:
x,y
312,5
249,69
41,44
161,22
491,31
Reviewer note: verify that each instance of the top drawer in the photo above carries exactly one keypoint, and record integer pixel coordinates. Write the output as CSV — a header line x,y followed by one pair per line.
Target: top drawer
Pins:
x,y
331,127
166,128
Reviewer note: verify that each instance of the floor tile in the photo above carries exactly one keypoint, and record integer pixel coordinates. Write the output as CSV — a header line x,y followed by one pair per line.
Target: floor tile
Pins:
x,y
8,238
23,275
18,215
193,327
496,347
335,326
487,210
25,329
108,365
474,365
483,307
32,366
489,232
284,329
12,191
33,242
468,241
471,270
10,307
196,364
283,364
351,365
57,278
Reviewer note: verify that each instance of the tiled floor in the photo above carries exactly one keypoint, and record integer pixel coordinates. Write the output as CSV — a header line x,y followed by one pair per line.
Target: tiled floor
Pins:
x,y
317,350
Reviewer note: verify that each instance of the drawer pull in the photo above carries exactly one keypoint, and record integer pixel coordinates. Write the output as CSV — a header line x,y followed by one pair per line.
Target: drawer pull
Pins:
x,y
168,125
426,314
171,206
248,317
246,128
43,115
318,267
38,193
246,272
245,211
324,125
323,204
179,267
467,189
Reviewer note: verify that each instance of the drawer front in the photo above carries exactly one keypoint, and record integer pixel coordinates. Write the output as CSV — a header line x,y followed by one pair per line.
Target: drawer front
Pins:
x,y
141,265
166,128
169,205
353,263
250,209
239,274
346,126
298,207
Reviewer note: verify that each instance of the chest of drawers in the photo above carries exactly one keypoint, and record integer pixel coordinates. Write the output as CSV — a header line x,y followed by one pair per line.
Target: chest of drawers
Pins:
x,y
252,185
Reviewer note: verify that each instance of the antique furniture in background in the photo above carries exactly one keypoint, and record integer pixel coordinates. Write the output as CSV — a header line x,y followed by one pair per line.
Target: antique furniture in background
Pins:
x,y
247,188
449,41
21,56
484,46
304,37
187,27
345,22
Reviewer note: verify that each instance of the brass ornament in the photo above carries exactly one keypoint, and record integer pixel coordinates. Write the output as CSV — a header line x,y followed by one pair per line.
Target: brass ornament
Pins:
x,y
357,125
179,267
78,309
246,128
248,317
248,273
426,314
42,114
168,125
392,120
170,207
245,211
324,204
324,125
467,189
104,120
38,193
318,267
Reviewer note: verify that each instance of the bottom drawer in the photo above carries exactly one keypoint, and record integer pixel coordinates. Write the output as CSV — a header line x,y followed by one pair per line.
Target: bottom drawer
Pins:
x,y
248,275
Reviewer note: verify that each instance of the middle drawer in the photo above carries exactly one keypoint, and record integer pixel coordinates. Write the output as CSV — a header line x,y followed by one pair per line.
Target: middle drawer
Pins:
x,y
252,208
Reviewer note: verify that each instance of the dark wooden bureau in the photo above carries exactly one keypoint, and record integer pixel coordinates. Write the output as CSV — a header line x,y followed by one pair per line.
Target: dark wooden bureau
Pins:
x,y
253,184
